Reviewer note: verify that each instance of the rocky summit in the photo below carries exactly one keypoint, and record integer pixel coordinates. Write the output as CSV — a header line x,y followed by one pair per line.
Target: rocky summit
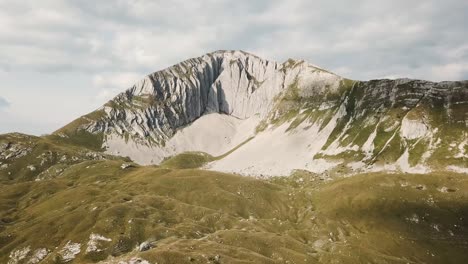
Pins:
x,y
275,118
230,158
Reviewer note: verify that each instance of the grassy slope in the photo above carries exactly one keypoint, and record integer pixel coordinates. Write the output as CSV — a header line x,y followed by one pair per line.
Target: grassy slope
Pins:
x,y
46,156
194,159
197,216
74,134
187,160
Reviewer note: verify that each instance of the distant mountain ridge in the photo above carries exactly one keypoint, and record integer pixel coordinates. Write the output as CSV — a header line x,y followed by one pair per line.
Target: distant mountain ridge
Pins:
x,y
282,117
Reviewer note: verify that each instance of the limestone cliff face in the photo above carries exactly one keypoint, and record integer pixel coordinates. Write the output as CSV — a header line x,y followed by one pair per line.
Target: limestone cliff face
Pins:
x,y
299,116
233,83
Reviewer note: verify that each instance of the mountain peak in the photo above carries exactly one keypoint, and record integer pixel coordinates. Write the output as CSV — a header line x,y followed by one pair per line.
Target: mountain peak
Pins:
x,y
237,53
280,117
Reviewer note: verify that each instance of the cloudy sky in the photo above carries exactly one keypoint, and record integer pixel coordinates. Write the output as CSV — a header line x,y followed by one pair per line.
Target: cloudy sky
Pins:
x,y
62,59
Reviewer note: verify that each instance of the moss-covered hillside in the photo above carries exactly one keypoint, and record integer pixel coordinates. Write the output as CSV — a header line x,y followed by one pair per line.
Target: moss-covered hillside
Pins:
x,y
112,211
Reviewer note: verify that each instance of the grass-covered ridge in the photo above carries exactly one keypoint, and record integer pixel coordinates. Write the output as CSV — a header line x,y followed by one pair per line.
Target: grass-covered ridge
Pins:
x,y
187,160
195,159
27,158
76,132
198,216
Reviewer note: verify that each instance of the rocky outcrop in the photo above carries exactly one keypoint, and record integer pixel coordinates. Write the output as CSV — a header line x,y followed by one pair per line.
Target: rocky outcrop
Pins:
x,y
30,158
299,116
398,125
232,83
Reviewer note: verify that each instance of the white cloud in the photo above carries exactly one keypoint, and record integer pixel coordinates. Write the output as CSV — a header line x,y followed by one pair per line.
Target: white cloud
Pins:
x,y
118,80
450,71
109,84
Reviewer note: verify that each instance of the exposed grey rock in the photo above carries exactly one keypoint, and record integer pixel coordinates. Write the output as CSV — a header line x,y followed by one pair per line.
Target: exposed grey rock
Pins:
x,y
126,166
234,83
357,123
145,246
137,261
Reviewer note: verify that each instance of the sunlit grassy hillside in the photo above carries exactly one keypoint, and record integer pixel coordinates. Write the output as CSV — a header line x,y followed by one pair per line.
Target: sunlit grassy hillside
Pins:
x,y
99,210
